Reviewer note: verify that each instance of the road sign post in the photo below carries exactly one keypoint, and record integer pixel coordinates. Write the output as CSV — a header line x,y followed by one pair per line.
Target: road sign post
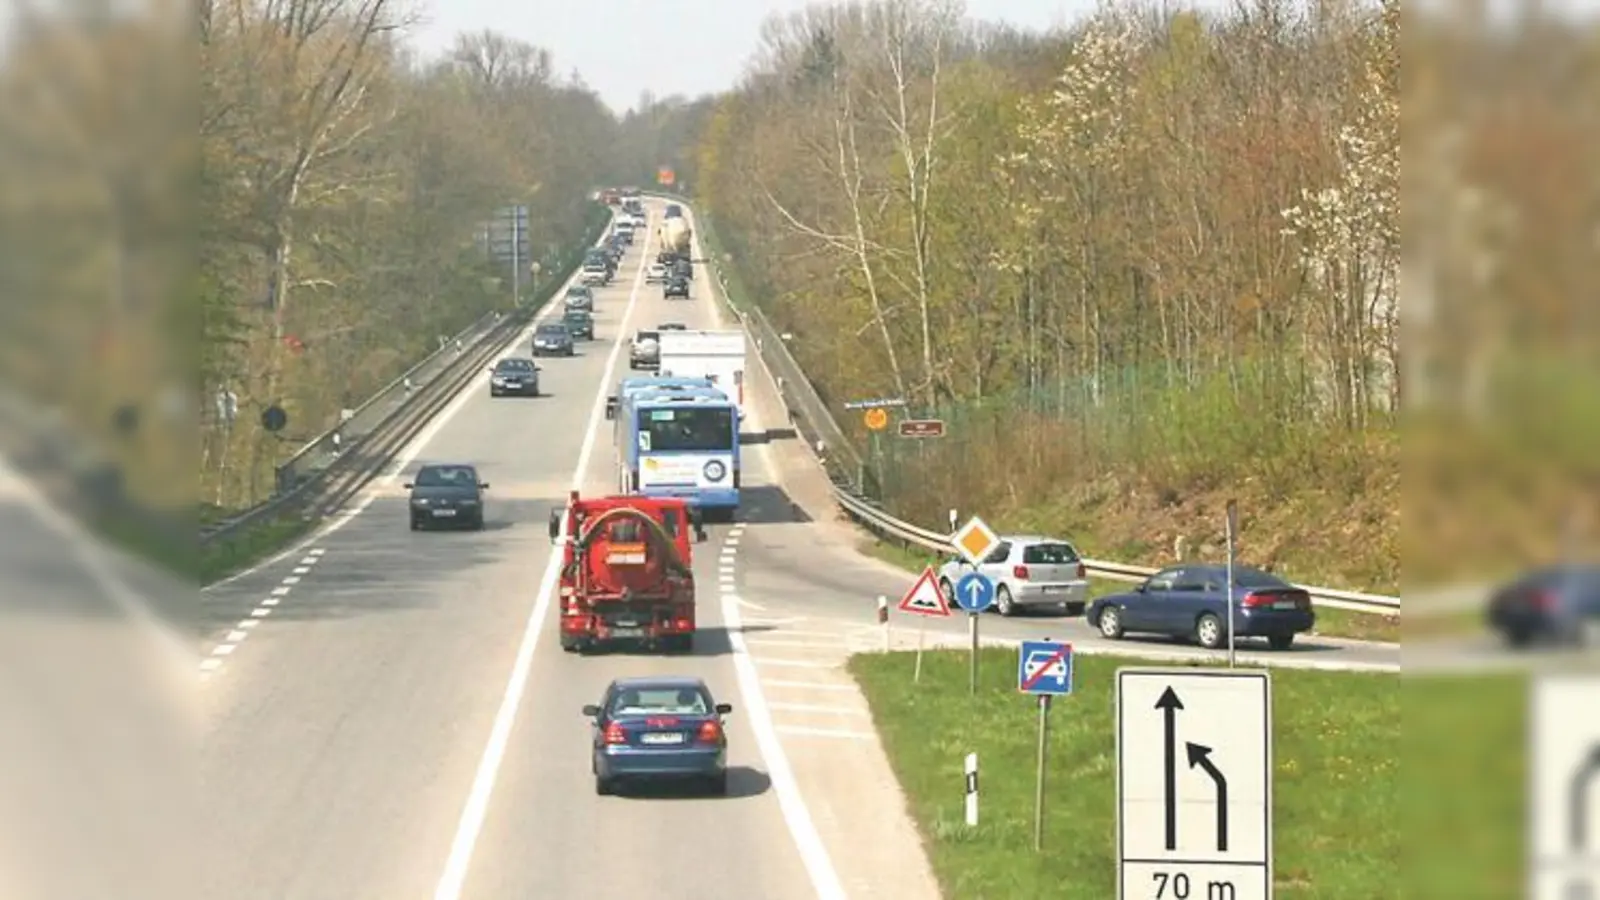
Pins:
x,y
1044,669
1194,820
1231,533
974,593
924,600
1564,787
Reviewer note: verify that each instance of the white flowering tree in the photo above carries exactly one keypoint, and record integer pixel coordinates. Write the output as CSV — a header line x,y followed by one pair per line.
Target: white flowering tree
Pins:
x,y
1349,239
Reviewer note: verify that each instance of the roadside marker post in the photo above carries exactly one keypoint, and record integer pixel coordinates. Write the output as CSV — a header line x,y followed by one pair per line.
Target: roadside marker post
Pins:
x,y
972,790
1045,670
924,600
974,593
883,620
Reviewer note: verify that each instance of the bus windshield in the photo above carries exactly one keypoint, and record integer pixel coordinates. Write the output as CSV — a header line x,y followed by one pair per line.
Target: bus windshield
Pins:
x,y
686,428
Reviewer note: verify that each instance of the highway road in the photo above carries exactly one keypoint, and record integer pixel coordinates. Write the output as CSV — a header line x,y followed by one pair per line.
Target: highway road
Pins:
x,y
395,717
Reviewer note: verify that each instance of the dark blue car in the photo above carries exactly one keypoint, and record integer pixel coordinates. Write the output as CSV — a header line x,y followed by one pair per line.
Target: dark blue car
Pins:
x,y
1555,603
1191,601
657,729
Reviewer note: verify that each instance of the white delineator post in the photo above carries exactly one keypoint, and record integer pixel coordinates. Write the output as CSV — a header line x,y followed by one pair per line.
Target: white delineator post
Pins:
x,y
883,620
972,790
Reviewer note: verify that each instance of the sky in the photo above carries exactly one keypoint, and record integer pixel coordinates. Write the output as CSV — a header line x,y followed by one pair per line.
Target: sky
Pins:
x,y
689,47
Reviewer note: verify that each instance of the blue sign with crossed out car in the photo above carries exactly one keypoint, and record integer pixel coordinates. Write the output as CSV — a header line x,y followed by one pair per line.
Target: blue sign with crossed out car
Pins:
x,y
975,592
1045,667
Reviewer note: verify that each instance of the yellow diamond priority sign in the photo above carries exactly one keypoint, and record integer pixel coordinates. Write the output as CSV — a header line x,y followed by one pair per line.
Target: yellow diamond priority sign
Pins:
x,y
975,540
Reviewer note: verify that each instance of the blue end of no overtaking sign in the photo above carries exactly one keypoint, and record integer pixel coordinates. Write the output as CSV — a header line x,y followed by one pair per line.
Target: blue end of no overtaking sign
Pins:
x,y
974,592
1044,667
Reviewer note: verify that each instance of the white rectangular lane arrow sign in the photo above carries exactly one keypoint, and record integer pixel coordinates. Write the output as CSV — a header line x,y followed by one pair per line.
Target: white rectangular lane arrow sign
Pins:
x,y
1564,787
1194,784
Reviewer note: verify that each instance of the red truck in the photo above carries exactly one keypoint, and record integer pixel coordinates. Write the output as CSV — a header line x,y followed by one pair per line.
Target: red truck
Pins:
x,y
626,571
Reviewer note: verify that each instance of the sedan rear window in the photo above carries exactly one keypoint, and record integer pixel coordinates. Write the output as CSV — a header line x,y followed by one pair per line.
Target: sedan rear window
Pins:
x,y
1255,578
651,701
1050,555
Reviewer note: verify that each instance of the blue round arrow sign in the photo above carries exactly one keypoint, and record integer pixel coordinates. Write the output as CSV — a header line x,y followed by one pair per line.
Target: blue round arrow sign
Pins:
x,y
974,592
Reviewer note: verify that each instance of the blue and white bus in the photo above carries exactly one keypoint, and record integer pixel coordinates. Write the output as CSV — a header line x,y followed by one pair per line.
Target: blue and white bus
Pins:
x,y
636,383
681,443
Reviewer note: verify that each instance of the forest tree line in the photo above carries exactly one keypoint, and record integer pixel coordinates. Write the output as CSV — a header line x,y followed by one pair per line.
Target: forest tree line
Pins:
x,y
1153,254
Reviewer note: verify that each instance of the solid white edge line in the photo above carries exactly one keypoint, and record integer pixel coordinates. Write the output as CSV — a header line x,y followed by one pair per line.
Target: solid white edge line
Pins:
x,y
476,811
412,449
802,829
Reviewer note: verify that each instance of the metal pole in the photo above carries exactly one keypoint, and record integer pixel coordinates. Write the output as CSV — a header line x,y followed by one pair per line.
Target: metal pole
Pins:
x,y
972,674
516,256
1232,526
922,633
1038,793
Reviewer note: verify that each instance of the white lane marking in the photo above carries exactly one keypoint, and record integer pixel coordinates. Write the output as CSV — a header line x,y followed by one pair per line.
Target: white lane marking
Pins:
x,y
407,454
235,637
747,604
814,708
733,540
772,623
813,853
808,685
476,811
798,731
795,663
819,646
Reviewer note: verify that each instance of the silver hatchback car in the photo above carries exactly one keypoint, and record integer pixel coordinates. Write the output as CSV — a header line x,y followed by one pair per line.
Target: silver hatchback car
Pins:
x,y
1028,570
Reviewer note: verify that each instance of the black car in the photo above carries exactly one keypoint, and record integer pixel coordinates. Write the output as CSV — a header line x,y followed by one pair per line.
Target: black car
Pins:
x,y
580,324
552,339
514,375
675,286
1558,604
658,728
447,494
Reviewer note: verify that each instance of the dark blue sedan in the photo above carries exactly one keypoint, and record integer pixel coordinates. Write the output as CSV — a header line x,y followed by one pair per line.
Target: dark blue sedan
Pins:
x,y
657,729
1191,601
1559,604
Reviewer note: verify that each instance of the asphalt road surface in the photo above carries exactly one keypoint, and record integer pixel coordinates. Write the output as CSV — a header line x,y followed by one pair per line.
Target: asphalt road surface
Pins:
x,y
395,724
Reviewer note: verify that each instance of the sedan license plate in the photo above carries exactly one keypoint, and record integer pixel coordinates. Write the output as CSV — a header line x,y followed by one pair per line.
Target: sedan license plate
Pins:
x,y
444,512
661,737
627,632
1285,604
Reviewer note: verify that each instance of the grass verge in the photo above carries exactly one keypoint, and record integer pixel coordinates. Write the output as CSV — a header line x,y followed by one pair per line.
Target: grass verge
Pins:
x,y
1332,622
1337,781
223,557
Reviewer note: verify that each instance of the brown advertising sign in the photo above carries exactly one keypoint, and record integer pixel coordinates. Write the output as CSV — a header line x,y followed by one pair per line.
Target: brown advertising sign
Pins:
x,y
922,428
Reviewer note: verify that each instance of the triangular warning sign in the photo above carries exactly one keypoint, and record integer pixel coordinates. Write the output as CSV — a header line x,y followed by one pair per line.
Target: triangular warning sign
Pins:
x,y
925,598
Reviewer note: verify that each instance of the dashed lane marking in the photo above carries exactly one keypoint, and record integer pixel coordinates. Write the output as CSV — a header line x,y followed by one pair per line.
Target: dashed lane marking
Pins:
x,y
816,708
801,731
231,641
808,685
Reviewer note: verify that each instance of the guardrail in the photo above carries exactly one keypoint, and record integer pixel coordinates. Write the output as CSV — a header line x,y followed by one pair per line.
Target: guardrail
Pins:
x,y
344,456
812,420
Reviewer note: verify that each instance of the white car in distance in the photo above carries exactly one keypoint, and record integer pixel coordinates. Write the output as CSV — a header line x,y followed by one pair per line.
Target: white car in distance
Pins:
x,y
656,274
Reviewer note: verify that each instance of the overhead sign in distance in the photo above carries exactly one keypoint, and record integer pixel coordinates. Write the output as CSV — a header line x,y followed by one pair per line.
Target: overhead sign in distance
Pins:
x,y
1194,784
890,403
975,540
665,175
925,598
921,428
1565,801
876,419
